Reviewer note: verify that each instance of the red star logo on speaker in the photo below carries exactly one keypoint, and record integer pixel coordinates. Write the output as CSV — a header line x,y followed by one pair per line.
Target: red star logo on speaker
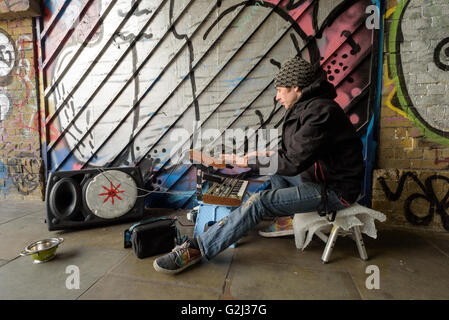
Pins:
x,y
111,193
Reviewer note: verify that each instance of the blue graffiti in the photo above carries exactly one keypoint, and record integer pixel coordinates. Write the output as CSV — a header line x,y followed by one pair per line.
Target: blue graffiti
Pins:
x,y
49,5
5,182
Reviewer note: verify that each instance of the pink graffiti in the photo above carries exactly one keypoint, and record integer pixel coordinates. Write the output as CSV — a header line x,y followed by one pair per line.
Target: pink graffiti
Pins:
x,y
341,47
354,118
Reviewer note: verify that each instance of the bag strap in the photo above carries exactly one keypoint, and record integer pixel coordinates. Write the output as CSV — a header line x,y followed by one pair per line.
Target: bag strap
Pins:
x,y
323,207
149,220
128,232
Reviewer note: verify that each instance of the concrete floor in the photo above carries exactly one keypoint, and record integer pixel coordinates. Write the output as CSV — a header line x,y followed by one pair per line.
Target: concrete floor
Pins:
x,y
412,265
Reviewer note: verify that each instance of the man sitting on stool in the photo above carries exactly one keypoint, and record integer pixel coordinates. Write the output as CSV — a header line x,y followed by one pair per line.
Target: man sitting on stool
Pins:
x,y
319,167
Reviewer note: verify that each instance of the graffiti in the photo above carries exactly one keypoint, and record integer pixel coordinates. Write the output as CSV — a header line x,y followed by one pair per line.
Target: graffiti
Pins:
x,y
442,63
438,161
163,65
418,69
4,179
76,17
191,73
138,12
248,17
429,195
18,115
21,78
13,5
132,31
15,174
23,113
354,49
7,55
9,60
5,105
25,181
87,24
72,100
49,4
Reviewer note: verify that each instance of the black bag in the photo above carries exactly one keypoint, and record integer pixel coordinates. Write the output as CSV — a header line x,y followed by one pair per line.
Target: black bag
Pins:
x,y
149,238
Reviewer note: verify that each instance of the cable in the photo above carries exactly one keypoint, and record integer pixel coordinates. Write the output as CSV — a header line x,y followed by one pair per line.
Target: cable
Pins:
x,y
152,167
104,173
238,176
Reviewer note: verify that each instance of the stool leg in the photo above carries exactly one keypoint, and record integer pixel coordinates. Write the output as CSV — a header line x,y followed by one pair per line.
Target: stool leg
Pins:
x,y
359,241
322,236
330,245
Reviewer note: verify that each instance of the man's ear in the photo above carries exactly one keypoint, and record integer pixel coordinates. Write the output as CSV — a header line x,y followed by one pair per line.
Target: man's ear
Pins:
x,y
297,89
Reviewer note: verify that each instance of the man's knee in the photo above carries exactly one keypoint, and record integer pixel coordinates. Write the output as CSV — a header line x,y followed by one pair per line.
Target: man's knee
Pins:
x,y
261,203
254,208
251,200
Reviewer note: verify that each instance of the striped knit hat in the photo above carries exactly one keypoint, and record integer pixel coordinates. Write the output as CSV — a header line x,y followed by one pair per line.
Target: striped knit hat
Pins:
x,y
295,72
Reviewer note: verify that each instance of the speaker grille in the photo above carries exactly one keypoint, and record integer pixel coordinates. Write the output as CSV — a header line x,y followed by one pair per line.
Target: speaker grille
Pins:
x,y
65,198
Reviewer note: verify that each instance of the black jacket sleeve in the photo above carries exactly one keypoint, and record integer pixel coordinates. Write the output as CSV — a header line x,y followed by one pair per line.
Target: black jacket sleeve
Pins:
x,y
307,141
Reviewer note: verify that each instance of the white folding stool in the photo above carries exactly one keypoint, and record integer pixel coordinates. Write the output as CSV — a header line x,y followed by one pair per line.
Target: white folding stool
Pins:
x,y
347,216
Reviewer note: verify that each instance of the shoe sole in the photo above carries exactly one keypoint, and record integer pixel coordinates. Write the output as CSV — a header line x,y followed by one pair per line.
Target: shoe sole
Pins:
x,y
275,234
168,271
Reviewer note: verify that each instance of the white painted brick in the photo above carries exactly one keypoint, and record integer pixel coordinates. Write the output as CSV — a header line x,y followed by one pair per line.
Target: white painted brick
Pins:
x,y
436,89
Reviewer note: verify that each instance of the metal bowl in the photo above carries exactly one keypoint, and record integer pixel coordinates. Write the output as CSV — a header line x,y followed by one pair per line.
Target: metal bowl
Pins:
x,y
42,250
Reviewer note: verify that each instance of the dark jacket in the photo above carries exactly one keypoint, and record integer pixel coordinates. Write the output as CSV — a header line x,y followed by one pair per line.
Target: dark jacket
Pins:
x,y
320,143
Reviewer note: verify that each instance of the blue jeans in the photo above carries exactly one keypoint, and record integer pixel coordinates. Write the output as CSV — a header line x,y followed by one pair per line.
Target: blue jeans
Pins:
x,y
289,195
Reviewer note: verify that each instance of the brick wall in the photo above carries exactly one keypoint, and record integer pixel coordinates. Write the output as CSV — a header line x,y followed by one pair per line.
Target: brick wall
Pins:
x,y
414,129
21,166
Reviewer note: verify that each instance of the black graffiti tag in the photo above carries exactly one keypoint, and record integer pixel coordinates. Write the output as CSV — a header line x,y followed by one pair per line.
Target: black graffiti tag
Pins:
x,y
437,55
8,61
355,47
436,206
22,177
7,54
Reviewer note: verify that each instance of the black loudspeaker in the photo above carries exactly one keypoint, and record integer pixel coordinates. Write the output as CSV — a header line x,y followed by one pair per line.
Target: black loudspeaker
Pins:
x,y
94,197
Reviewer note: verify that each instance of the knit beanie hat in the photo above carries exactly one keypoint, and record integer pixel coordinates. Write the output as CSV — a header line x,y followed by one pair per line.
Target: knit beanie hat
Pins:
x,y
295,72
